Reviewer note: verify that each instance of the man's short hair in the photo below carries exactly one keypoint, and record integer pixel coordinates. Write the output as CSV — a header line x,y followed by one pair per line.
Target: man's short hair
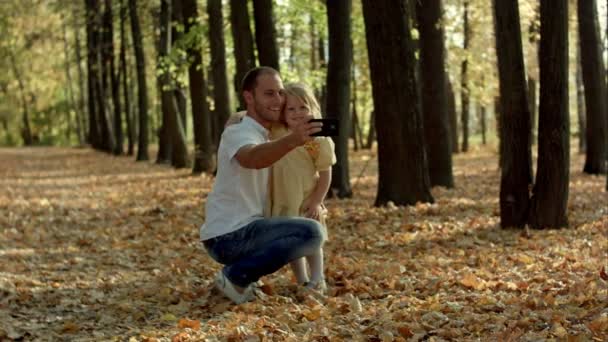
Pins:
x,y
250,81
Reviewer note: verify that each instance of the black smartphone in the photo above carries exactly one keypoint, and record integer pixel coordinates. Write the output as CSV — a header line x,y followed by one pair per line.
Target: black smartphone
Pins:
x,y
330,127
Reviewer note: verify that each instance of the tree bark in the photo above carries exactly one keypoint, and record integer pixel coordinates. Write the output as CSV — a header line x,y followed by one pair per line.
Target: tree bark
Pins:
x,y
453,117
338,88
142,144
243,44
595,86
91,10
549,201
125,78
80,112
69,90
115,83
464,81
580,102
482,123
221,96
265,33
514,116
402,166
203,155
106,94
433,93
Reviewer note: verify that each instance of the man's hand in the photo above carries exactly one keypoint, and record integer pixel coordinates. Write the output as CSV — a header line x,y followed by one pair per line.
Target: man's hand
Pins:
x,y
301,132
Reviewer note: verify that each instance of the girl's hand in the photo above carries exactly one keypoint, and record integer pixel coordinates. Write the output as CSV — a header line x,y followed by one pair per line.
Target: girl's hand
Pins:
x,y
313,210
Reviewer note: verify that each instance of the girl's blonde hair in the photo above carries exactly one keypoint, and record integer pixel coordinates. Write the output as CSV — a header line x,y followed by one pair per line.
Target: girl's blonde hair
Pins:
x,y
304,94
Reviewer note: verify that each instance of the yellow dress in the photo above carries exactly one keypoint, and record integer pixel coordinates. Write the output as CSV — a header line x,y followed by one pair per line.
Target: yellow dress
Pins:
x,y
294,177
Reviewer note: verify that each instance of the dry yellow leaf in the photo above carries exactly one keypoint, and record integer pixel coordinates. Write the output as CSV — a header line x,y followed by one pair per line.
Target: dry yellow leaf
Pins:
x,y
187,323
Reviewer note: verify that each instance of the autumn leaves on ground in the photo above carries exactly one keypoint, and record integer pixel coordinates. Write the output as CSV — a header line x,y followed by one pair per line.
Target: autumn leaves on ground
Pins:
x,y
95,247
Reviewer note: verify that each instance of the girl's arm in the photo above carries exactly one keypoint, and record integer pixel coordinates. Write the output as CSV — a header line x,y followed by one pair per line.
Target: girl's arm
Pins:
x,y
312,205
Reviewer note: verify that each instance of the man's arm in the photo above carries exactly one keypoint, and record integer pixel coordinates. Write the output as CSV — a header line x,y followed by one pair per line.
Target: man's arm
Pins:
x,y
263,155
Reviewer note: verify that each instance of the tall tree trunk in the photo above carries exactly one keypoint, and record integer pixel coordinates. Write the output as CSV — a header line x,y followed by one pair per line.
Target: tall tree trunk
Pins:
x,y
203,155
243,44
115,83
142,144
595,86
265,33
482,123
221,95
91,10
26,130
464,81
433,93
80,116
402,167
532,106
549,201
514,117
106,59
125,78
179,91
371,133
338,88
453,117
69,90
580,102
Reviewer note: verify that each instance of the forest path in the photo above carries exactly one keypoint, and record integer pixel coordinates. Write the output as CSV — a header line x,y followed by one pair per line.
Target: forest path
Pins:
x,y
97,247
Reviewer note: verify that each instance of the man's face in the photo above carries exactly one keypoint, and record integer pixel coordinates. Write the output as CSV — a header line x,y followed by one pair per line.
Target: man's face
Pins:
x,y
267,98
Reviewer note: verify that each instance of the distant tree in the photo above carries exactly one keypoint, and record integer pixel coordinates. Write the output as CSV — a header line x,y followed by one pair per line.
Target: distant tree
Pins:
x,y
221,96
595,87
402,167
243,43
124,78
265,33
514,116
580,102
142,146
464,80
91,13
434,93
203,155
338,88
549,203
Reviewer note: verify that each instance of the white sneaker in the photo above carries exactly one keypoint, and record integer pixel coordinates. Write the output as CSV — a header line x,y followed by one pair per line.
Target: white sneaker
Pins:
x,y
224,285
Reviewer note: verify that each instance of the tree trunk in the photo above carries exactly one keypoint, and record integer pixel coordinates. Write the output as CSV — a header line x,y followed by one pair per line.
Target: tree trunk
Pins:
x,y
69,90
532,107
92,9
80,112
221,95
464,81
179,91
106,58
142,144
243,44
549,201
514,117
26,130
125,77
595,86
433,93
402,166
482,123
580,102
203,155
371,133
115,84
265,33
453,117
338,88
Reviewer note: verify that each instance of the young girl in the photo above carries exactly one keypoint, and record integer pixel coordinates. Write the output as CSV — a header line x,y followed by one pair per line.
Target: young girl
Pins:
x,y
300,180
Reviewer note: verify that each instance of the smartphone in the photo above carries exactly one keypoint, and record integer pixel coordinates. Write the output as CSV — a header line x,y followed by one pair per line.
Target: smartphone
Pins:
x,y
329,129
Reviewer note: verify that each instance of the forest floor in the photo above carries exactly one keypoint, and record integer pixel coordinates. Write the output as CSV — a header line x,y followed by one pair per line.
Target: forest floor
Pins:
x,y
95,248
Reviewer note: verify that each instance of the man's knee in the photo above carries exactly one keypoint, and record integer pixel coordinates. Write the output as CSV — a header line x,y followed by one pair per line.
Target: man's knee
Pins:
x,y
312,228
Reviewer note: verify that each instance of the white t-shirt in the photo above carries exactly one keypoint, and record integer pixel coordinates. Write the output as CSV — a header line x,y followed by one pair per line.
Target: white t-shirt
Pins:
x,y
239,194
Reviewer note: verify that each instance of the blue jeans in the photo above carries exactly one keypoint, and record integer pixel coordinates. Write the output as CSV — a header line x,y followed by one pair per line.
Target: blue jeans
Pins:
x,y
264,246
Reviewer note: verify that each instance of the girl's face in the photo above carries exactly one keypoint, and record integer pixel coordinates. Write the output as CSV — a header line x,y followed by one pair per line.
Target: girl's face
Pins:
x,y
295,111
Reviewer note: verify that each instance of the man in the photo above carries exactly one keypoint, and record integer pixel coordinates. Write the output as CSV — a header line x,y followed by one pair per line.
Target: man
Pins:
x,y
235,232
